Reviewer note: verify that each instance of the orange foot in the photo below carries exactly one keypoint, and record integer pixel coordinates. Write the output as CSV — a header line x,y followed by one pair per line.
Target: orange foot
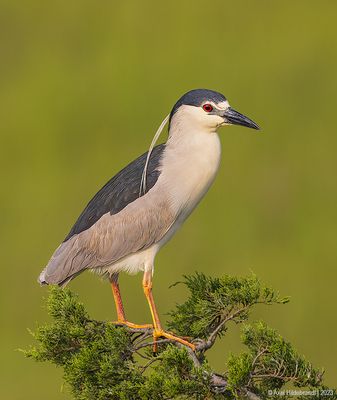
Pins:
x,y
157,333
132,325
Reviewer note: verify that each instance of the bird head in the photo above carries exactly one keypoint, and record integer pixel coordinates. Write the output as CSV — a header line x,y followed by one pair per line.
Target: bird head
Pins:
x,y
207,110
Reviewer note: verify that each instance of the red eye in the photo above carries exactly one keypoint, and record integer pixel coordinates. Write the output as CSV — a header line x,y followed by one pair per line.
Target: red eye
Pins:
x,y
207,107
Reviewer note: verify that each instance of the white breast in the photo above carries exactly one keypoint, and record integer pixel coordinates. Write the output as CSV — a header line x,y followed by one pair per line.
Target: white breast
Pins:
x,y
189,166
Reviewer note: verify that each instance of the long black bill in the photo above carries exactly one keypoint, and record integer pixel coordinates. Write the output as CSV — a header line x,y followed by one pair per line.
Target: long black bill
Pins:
x,y
235,118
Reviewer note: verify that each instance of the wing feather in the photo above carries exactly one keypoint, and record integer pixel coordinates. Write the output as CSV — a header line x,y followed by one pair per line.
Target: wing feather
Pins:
x,y
115,223
139,225
120,190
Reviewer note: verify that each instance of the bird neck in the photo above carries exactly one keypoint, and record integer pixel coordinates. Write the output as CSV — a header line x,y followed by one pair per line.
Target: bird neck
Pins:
x,y
188,137
189,165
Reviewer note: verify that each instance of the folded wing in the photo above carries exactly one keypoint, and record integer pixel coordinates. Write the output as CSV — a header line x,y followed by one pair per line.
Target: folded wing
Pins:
x,y
115,223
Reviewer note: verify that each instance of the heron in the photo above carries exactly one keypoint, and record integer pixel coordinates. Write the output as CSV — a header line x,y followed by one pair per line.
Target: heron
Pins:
x,y
137,211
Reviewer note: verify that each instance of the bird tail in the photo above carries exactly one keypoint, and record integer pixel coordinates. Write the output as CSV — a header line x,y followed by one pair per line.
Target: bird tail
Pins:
x,y
68,261
42,280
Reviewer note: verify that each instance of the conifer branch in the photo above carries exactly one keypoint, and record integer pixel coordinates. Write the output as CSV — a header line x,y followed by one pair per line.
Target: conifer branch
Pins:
x,y
107,362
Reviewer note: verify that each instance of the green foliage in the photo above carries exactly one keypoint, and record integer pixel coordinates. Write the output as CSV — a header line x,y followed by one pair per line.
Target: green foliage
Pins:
x,y
96,356
270,363
105,362
215,301
177,377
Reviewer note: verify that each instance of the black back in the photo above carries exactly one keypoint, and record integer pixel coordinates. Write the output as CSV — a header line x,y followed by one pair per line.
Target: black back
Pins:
x,y
121,190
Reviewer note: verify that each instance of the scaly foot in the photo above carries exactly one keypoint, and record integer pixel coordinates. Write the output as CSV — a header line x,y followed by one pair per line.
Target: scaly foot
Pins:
x,y
132,325
157,333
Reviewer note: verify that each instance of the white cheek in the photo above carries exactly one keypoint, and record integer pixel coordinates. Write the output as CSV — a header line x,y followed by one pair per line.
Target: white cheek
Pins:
x,y
197,117
209,120
192,115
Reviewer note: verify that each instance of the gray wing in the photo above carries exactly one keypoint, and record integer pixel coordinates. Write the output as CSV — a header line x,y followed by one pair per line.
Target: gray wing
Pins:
x,y
138,226
121,190
105,231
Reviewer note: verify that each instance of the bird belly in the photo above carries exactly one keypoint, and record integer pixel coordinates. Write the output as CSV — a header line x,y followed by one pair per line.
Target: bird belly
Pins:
x,y
131,264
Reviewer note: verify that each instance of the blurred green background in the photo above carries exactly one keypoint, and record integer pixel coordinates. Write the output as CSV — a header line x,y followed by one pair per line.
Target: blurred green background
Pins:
x,y
84,86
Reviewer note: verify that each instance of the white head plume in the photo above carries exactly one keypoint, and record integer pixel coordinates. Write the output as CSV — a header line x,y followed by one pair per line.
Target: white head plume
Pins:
x,y
142,188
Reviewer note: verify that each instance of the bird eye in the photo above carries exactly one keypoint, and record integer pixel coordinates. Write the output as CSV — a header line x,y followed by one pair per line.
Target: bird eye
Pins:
x,y
207,107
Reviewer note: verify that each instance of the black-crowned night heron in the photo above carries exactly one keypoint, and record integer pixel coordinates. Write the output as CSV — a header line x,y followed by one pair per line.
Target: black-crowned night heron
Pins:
x,y
139,209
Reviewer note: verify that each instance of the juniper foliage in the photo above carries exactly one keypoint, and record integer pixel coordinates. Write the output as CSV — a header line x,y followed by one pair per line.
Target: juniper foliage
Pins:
x,y
107,362
213,302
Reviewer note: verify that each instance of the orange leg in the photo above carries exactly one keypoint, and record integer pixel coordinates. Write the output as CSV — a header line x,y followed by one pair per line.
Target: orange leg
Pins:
x,y
121,320
158,330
